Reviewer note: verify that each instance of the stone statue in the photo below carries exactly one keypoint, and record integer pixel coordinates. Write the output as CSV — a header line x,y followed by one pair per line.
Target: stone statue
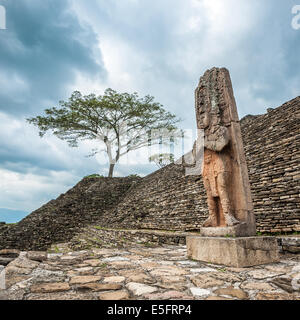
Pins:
x,y
224,169
226,181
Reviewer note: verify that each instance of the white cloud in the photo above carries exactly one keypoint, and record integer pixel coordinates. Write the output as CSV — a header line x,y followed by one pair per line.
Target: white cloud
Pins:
x,y
28,192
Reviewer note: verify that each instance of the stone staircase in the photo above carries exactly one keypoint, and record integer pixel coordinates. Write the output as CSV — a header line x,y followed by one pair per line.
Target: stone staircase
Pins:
x,y
99,237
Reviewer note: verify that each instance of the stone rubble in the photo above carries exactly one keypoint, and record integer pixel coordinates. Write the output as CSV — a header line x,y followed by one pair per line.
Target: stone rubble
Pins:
x,y
142,273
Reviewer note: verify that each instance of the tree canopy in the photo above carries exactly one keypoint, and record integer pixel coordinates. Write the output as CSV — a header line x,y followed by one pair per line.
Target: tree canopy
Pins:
x,y
123,122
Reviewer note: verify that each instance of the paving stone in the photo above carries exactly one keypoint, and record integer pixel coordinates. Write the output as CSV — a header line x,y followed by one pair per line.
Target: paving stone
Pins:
x,y
93,262
227,277
140,289
146,276
42,275
278,269
202,270
24,263
99,286
230,291
217,298
261,286
274,296
50,287
169,295
84,271
284,283
188,263
10,252
137,277
5,261
116,279
39,256
117,295
11,280
263,274
113,259
16,270
61,296
204,281
198,292
166,271
54,256
296,268
84,279
172,279
149,265
121,264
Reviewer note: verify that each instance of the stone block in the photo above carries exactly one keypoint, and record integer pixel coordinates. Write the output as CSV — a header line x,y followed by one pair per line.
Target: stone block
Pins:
x,y
233,252
240,230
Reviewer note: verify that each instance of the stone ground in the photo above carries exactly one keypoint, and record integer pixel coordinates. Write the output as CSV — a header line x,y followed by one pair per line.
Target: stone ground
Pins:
x,y
143,273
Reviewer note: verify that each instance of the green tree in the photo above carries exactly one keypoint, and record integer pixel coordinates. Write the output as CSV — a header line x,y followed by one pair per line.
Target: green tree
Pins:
x,y
122,122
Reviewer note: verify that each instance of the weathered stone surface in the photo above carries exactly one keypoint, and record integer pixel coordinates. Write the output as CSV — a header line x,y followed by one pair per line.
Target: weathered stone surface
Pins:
x,y
163,285
117,295
217,298
42,275
60,296
137,277
263,274
92,262
39,256
99,286
140,289
204,281
235,252
83,271
5,261
166,271
50,287
231,291
117,279
261,286
84,279
10,252
285,284
274,296
16,270
169,295
198,292
25,263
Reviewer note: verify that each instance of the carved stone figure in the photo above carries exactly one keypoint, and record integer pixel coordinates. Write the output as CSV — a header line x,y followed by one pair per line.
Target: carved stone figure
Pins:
x,y
224,172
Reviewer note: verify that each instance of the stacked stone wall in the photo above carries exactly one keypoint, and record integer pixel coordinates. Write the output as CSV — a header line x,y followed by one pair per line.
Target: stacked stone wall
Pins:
x,y
169,200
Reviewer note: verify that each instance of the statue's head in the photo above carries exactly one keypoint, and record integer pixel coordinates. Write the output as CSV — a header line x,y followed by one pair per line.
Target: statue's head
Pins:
x,y
204,120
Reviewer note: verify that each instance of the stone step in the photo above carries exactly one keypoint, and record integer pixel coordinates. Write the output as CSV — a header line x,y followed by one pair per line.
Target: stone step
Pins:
x,y
5,261
109,237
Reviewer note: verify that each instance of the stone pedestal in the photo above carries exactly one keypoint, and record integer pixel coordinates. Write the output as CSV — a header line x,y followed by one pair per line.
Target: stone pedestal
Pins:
x,y
240,230
233,252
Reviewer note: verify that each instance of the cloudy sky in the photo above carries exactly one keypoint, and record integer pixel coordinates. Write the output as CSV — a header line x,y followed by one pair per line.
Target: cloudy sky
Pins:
x,y
159,47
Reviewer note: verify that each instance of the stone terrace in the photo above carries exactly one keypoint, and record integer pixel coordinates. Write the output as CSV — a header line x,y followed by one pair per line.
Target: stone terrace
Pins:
x,y
142,273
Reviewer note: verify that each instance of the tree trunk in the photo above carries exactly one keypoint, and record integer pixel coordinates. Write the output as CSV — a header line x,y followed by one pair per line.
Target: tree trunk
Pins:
x,y
111,170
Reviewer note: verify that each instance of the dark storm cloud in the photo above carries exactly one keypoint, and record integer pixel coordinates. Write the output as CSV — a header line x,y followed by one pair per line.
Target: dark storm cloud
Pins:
x,y
41,51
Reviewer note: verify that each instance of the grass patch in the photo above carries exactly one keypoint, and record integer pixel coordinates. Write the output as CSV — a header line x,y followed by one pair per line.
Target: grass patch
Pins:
x,y
93,176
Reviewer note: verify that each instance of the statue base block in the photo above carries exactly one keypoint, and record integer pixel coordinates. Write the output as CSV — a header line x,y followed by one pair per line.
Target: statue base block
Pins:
x,y
234,252
240,230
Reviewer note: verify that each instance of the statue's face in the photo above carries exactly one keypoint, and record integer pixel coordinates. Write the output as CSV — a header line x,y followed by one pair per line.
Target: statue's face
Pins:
x,y
204,120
